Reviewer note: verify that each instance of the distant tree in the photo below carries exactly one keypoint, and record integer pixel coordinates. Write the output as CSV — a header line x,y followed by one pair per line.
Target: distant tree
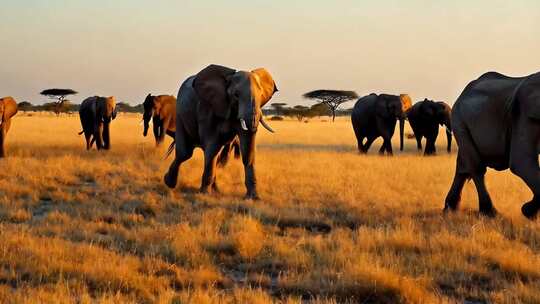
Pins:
x,y
278,107
300,112
331,98
60,96
25,106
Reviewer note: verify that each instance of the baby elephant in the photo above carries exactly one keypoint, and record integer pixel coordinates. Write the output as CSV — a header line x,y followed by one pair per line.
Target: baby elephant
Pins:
x,y
162,110
96,114
8,109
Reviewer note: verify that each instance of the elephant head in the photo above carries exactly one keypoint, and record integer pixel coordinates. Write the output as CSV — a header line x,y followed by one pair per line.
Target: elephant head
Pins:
x,y
440,113
394,107
236,95
106,112
8,108
148,106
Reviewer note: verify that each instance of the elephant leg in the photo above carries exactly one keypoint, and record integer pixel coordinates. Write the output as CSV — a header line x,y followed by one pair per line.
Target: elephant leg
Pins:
x,y
431,139
484,200
359,140
524,162
184,151
98,129
386,146
453,198
430,146
247,150
368,143
418,142
87,137
209,174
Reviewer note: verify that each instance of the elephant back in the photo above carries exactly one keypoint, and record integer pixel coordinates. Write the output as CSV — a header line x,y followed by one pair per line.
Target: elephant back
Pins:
x,y
406,102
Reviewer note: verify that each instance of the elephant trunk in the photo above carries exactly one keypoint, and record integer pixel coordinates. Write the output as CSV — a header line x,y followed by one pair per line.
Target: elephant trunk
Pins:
x,y
401,131
106,137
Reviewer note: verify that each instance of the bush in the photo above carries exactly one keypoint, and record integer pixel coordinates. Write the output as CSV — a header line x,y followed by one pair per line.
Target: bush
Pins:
x,y
276,118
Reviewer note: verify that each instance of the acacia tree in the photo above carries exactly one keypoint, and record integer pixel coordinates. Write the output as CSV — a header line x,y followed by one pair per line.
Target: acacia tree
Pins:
x,y
331,98
300,112
60,96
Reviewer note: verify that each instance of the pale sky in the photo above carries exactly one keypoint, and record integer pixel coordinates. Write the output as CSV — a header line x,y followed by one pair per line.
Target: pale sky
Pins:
x,y
129,48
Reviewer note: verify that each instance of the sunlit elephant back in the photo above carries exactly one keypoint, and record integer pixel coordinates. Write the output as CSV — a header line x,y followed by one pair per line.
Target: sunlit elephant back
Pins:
x,y
162,111
214,107
8,109
96,114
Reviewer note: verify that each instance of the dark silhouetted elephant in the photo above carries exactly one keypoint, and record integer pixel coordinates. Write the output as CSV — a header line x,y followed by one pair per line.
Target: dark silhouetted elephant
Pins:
x,y
96,114
425,117
213,108
496,122
8,109
376,115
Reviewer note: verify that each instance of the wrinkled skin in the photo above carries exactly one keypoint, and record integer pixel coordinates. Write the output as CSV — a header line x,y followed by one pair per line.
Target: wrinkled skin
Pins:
x,y
96,114
425,117
376,115
162,110
496,123
8,109
213,108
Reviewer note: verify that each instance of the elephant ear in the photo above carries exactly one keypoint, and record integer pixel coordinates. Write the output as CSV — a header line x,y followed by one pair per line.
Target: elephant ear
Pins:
x,y
263,84
10,107
406,102
210,84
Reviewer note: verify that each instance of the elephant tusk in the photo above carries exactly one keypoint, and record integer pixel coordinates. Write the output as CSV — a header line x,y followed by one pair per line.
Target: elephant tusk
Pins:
x,y
243,124
266,126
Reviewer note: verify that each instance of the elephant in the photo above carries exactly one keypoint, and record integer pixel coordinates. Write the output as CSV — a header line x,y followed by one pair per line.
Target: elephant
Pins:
x,y
96,114
162,110
496,123
425,117
8,109
376,115
214,107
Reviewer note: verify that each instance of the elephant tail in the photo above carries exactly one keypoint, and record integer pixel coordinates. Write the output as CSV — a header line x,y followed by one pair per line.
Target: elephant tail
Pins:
x,y
170,149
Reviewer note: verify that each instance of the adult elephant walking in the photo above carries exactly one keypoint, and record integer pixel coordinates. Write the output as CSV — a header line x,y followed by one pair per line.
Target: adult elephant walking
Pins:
x,y
8,109
162,110
376,115
96,114
425,117
496,122
214,107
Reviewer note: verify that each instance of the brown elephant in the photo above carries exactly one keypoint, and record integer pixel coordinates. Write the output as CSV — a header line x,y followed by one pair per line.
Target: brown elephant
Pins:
x,y
96,114
162,110
8,109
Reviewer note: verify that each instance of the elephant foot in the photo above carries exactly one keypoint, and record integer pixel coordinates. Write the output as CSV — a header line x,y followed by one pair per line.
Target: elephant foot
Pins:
x,y
252,196
169,181
489,212
215,188
448,209
530,209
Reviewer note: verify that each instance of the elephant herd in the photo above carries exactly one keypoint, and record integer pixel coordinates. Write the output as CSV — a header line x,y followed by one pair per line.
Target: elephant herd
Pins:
x,y
496,123
375,116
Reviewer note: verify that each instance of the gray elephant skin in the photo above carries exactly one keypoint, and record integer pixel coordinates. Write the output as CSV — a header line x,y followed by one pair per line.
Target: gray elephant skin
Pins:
x,y
213,108
96,114
425,117
376,115
496,122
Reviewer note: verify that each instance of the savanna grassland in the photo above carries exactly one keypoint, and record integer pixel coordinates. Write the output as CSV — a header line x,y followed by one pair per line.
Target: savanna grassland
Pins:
x,y
332,226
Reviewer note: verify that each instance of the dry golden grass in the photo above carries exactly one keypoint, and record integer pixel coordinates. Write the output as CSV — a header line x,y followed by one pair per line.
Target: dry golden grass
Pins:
x,y
332,227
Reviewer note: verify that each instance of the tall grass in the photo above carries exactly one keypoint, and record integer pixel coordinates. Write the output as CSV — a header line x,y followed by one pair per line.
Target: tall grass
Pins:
x,y
332,226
